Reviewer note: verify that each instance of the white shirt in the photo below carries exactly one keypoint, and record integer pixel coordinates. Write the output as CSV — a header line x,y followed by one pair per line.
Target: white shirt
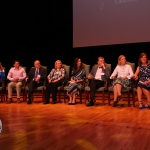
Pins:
x,y
98,74
122,71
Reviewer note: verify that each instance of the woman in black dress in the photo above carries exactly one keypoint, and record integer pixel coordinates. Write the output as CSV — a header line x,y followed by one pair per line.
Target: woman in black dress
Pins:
x,y
143,86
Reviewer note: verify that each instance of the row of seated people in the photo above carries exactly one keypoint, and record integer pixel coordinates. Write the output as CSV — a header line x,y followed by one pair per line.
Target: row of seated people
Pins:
x,y
98,77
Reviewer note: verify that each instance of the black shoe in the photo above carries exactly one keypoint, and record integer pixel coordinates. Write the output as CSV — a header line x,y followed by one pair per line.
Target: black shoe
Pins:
x,y
90,104
29,102
46,103
53,102
115,104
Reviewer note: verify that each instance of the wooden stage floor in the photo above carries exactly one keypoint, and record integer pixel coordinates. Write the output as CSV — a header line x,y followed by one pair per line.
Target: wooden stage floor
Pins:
x,y
73,127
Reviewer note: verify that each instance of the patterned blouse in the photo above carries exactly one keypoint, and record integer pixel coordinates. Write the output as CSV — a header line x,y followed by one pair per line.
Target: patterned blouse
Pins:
x,y
56,74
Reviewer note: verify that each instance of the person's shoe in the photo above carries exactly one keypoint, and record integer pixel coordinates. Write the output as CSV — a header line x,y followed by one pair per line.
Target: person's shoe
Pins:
x,y
141,105
90,104
29,102
147,105
46,103
9,101
53,102
115,104
18,100
119,98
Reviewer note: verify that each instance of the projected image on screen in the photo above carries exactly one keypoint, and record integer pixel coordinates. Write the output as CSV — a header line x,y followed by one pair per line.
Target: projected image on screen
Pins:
x,y
105,22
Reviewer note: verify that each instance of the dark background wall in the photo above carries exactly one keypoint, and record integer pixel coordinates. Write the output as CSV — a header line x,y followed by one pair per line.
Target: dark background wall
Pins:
x,y
43,30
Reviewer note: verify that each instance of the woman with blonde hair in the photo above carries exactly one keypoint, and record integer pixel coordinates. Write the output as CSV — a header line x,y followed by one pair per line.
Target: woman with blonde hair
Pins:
x,y
143,86
121,75
2,74
55,79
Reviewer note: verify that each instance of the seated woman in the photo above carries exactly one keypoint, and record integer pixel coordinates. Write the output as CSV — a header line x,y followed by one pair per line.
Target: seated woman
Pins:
x,y
2,74
143,70
55,79
77,77
121,75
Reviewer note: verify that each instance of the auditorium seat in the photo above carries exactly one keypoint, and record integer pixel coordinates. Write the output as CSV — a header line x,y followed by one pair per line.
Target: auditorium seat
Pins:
x,y
22,94
128,90
101,89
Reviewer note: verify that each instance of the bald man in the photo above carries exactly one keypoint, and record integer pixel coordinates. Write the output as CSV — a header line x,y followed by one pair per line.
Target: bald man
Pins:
x,y
36,77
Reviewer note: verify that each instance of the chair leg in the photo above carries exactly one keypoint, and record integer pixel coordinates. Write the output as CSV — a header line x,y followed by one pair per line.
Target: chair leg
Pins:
x,y
133,95
25,97
1,95
64,96
103,97
128,98
108,97
85,96
43,95
59,95
80,96
6,95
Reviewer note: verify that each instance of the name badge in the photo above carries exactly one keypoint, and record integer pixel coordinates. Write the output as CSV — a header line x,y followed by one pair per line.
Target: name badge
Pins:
x,y
102,73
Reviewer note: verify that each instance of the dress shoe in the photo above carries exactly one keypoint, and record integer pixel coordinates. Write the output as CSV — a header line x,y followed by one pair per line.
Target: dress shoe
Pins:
x,y
29,102
46,103
90,104
115,104
9,101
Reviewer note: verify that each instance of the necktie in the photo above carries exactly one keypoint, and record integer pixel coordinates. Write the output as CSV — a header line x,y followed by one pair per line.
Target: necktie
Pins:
x,y
36,73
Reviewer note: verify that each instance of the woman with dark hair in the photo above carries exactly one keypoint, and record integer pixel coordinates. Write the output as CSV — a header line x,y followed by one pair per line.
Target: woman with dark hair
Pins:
x,y
77,78
143,86
2,74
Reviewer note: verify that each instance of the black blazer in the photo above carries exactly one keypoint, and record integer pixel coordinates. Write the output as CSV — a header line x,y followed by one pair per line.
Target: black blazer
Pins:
x,y
42,73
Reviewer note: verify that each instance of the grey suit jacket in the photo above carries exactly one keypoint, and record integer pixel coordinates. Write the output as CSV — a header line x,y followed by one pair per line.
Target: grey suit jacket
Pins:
x,y
106,72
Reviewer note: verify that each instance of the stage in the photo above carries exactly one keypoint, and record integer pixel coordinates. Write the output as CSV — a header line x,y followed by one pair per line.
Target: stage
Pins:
x,y
71,127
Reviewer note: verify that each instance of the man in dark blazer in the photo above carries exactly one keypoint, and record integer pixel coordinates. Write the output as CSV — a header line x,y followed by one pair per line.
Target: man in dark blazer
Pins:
x,y
36,77
98,76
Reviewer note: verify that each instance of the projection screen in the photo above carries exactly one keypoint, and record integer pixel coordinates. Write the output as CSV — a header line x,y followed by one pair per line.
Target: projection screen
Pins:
x,y
106,22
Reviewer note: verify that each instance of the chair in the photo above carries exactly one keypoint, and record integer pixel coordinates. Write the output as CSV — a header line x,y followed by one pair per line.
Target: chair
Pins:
x,y
63,87
128,90
14,88
87,68
101,89
2,88
38,89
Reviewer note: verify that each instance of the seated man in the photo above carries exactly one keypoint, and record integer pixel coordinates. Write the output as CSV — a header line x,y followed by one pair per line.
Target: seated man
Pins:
x,y
16,75
36,77
98,77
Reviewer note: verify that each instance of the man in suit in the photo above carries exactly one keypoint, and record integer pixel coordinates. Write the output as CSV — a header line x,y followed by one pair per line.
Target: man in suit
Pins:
x,y
98,76
36,77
